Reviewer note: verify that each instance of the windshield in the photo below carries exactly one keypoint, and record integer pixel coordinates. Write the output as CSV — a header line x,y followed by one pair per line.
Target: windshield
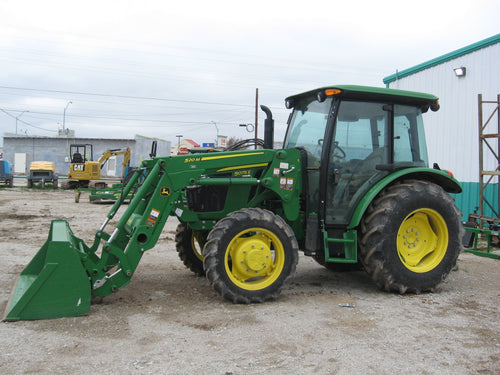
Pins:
x,y
307,127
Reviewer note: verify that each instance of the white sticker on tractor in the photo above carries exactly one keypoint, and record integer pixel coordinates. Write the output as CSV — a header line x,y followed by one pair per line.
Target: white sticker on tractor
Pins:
x,y
153,216
283,165
283,183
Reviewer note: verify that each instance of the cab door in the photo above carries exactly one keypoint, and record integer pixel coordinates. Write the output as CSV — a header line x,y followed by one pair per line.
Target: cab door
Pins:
x,y
360,142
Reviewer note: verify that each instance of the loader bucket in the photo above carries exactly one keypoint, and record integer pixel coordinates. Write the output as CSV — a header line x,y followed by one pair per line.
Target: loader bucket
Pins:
x,y
54,284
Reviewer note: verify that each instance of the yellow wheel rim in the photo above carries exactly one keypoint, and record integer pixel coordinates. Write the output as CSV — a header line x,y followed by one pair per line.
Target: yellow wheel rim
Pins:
x,y
422,240
254,259
197,243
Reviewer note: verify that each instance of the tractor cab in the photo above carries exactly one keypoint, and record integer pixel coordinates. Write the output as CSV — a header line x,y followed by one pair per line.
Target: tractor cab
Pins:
x,y
354,137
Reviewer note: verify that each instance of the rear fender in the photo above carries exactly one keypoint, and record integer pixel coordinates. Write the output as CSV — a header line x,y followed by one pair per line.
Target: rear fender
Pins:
x,y
439,177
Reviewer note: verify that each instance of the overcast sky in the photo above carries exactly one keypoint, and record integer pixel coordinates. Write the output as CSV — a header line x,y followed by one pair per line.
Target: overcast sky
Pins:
x,y
166,68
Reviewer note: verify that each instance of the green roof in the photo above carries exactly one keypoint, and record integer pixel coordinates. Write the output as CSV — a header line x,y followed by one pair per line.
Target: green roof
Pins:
x,y
356,89
354,92
442,59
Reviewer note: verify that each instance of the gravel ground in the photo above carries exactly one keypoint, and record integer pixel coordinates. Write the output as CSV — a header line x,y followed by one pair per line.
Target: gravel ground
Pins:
x,y
168,321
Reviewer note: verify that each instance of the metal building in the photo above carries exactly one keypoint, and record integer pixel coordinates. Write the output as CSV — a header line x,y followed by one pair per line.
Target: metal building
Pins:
x,y
21,150
452,133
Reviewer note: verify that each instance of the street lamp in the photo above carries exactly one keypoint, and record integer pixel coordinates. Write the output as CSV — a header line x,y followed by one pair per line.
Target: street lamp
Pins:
x,y
64,114
17,118
217,129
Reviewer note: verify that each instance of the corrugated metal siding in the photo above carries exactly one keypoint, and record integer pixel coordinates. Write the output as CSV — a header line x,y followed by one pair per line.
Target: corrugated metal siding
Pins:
x,y
452,132
444,58
468,200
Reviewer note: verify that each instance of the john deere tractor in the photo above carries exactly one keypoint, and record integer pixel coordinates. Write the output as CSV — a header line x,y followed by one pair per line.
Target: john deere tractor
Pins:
x,y
351,188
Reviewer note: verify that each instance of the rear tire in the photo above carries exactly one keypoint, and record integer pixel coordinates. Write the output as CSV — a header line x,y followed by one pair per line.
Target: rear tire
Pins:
x,y
189,245
250,255
410,237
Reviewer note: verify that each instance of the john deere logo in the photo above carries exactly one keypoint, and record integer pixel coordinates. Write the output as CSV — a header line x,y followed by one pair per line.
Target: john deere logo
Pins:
x,y
165,191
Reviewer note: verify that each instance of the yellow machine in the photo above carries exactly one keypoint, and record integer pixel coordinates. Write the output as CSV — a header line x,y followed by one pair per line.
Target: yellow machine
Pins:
x,y
85,172
42,172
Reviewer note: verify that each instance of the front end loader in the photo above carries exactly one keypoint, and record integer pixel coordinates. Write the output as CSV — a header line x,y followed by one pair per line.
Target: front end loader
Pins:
x,y
351,187
199,189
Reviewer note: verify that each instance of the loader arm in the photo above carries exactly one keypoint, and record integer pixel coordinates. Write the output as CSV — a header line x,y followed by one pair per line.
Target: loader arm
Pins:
x,y
243,175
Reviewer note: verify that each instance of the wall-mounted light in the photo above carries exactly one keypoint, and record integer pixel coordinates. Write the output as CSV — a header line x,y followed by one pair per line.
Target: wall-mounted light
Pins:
x,y
460,72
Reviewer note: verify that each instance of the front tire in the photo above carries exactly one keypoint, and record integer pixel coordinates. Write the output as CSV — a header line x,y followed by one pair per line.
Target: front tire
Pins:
x,y
189,245
250,255
410,237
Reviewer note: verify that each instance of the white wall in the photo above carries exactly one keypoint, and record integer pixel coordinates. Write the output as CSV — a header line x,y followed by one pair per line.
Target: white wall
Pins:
x,y
452,132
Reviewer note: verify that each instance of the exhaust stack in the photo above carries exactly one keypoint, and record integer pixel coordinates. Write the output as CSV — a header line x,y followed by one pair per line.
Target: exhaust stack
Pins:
x,y
268,128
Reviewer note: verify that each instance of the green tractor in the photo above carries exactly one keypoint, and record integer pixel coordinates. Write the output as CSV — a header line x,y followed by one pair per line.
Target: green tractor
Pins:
x,y
351,188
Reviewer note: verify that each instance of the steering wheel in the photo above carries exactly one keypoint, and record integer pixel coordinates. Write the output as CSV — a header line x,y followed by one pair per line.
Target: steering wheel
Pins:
x,y
338,153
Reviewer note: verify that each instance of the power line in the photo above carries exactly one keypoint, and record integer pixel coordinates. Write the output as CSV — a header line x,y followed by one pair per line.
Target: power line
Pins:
x,y
124,96
113,118
26,123
130,118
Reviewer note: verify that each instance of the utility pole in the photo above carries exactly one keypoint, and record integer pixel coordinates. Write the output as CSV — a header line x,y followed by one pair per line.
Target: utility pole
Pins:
x,y
17,118
256,114
64,114
179,142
